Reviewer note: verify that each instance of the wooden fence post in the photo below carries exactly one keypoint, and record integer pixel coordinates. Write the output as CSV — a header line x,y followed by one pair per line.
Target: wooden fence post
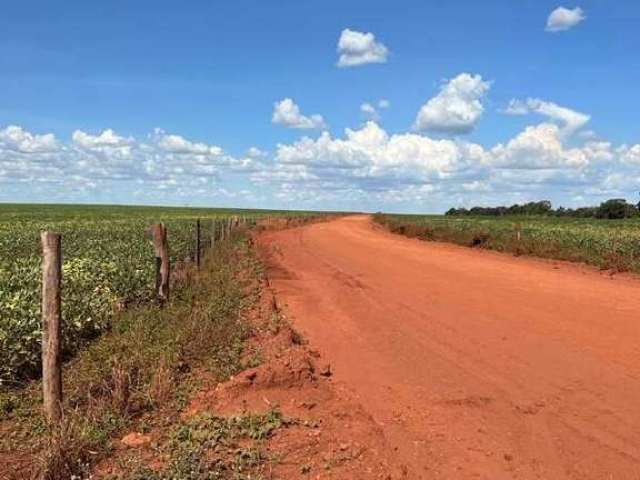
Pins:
x,y
159,234
198,243
213,233
51,326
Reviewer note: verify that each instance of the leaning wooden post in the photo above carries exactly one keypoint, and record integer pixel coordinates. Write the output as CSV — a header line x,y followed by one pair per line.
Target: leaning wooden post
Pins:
x,y
51,326
159,234
198,243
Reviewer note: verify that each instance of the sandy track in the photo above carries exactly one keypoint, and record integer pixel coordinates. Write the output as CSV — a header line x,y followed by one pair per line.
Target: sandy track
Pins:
x,y
475,364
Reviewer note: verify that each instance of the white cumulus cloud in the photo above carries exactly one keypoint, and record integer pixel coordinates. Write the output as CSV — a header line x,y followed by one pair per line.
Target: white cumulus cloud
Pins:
x,y
108,138
457,108
364,167
20,140
537,147
103,162
369,111
255,152
180,145
570,120
371,152
630,155
370,165
360,48
287,113
564,18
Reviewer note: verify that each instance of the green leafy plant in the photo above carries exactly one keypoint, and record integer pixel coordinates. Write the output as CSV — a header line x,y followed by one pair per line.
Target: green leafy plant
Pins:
x,y
108,264
611,244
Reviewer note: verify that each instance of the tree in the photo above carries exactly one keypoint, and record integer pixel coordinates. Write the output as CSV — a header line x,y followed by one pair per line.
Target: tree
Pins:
x,y
616,208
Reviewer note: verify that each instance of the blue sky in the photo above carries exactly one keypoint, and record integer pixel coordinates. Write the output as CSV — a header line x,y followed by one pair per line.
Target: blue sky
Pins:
x,y
488,103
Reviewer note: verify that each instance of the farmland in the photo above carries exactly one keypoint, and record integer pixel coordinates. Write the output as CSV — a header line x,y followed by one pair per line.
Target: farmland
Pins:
x,y
107,265
607,244
494,345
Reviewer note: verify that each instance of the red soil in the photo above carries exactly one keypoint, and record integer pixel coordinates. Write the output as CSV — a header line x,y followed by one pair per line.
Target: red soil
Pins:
x,y
473,364
328,435
332,437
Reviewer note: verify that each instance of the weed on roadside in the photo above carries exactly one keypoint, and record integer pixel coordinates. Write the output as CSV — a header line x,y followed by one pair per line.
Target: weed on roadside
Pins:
x,y
212,447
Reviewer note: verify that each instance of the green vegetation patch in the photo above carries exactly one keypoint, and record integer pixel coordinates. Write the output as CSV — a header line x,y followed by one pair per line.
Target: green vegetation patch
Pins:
x,y
146,363
213,447
108,265
608,244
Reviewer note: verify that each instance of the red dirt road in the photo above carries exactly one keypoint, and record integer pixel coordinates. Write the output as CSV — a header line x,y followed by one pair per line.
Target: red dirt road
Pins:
x,y
475,364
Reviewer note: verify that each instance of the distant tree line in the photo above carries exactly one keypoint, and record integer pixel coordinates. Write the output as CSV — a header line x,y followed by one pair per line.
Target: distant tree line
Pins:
x,y
613,208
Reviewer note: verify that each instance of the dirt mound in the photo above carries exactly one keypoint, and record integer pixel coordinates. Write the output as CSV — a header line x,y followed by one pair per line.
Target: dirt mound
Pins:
x,y
282,418
329,436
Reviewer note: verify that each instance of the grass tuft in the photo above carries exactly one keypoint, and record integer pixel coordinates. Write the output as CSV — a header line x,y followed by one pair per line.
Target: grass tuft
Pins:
x,y
213,447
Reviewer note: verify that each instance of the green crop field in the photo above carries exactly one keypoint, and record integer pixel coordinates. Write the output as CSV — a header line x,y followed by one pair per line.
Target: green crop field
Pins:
x,y
108,263
608,244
